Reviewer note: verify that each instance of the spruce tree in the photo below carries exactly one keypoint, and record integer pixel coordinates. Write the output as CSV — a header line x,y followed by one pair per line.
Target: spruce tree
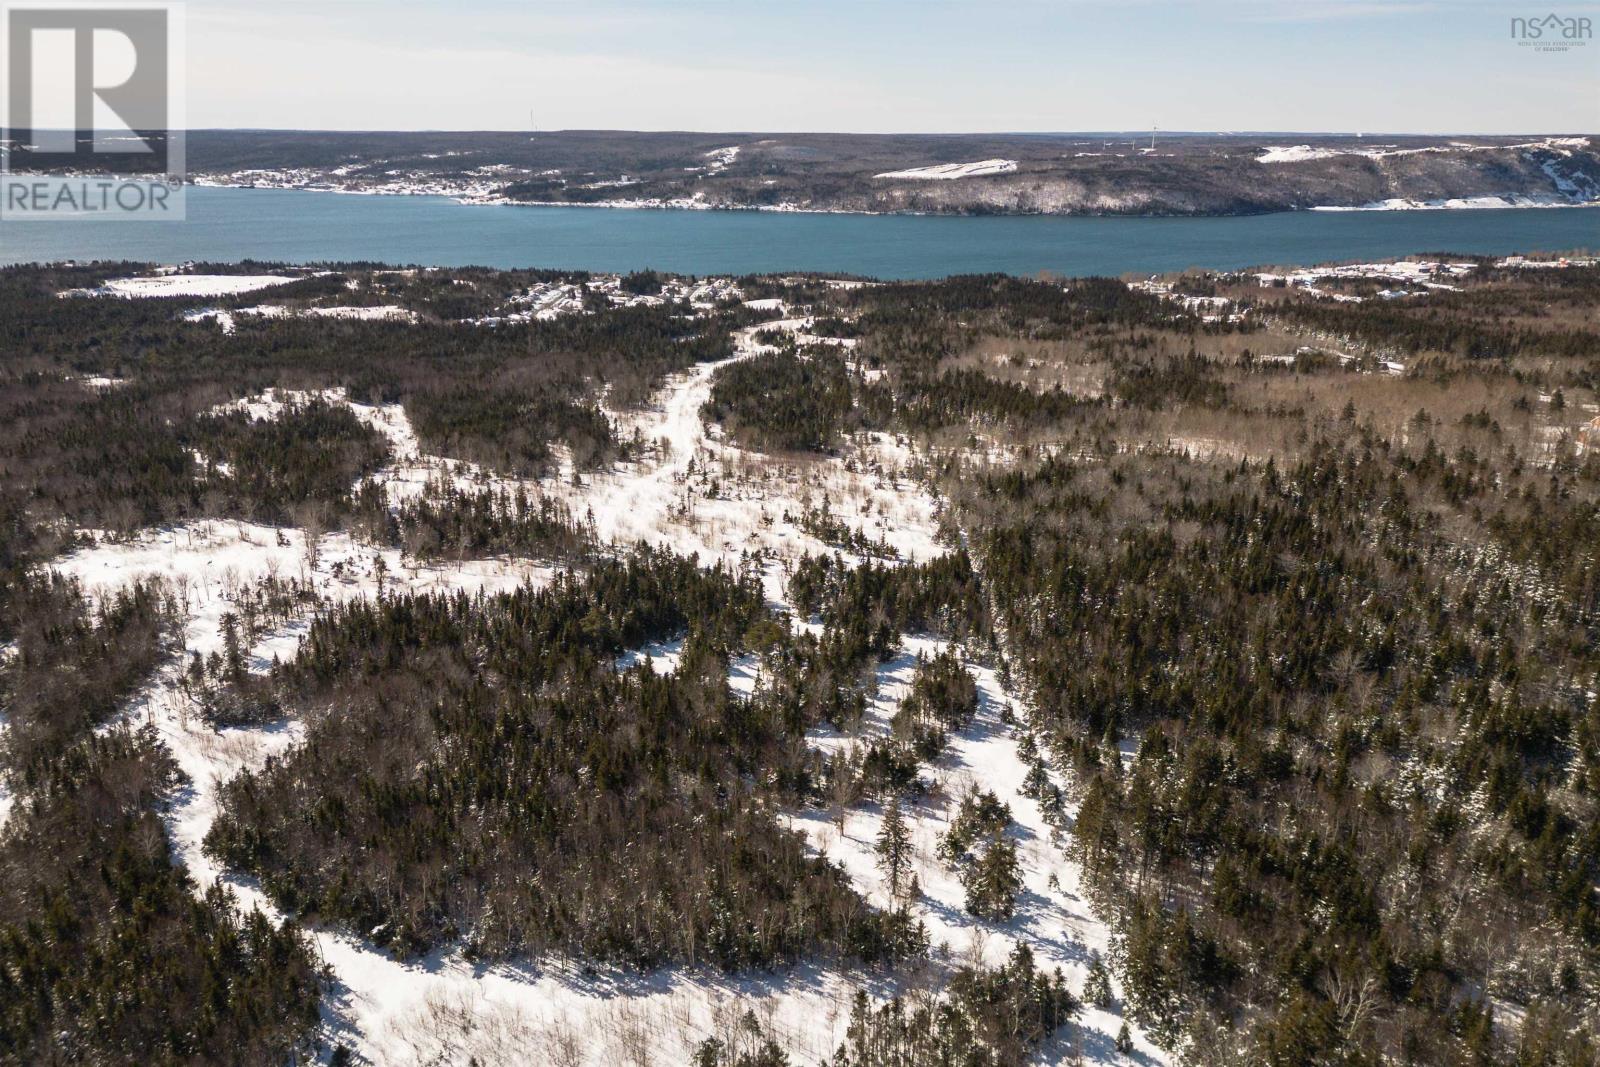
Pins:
x,y
894,846
1097,987
992,882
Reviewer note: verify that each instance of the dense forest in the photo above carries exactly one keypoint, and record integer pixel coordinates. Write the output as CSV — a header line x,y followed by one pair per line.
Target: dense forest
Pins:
x,y
1299,599
1324,690
116,417
490,772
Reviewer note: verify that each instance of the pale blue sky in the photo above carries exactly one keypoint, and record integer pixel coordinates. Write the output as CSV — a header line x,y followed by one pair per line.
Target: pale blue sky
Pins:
x,y
1427,66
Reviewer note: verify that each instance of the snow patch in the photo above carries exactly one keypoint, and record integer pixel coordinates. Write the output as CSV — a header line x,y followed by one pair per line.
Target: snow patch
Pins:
x,y
948,171
185,285
1460,203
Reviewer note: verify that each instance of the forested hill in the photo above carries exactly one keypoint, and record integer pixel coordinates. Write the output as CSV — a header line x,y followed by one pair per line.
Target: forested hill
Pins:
x,y
1055,174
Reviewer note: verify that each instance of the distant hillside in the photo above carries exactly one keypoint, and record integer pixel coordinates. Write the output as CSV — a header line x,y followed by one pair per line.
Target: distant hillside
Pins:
x,y
1057,174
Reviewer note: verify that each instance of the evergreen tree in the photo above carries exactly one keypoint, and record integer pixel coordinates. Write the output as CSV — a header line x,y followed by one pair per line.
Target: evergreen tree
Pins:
x,y
232,652
894,846
1097,987
992,881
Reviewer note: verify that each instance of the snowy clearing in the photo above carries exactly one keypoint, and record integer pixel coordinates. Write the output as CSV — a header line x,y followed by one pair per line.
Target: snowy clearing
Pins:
x,y
947,171
1298,153
186,285
1301,153
1421,275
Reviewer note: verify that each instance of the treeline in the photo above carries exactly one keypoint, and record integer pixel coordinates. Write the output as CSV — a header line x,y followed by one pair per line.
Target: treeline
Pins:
x,y
834,532
1004,305
981,1017
1495,324
446,520
1321,686
509,430
270,469
493,777
73,667
120,454
984,1018
107,954
784,402
880,601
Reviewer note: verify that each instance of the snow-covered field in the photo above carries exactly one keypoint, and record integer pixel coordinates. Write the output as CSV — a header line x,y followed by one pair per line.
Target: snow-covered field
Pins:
x,y
186,285
1298,153
947,171
692,491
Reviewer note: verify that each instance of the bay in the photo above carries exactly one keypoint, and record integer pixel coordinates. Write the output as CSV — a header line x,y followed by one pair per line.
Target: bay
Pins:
x,y
229,225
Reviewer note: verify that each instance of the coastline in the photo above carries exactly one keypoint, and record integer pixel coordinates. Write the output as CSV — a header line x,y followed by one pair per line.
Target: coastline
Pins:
x,y
1504,201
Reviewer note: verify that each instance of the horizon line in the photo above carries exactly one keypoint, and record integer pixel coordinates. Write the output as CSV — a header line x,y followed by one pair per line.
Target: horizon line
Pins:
x,y
1145,132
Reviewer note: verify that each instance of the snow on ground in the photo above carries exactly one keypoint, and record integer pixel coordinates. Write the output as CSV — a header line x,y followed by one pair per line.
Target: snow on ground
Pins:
x,y
1578,185
948,171
341,180
1557,263
545,301
1209,308
693,492
186,285
662,656
1298,153
1420,274
1462,203
1052,918
373,313
1200,447
99,383
387,419
720,159
1301,153
552,300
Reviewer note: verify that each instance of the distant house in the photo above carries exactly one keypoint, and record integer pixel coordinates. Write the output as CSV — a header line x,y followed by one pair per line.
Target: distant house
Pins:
x,y
1589,436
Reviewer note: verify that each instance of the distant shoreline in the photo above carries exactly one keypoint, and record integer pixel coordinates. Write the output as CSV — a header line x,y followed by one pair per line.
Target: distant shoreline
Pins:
x,y
1502,203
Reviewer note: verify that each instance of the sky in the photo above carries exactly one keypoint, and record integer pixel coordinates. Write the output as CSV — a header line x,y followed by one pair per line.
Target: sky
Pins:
x,y
1399,66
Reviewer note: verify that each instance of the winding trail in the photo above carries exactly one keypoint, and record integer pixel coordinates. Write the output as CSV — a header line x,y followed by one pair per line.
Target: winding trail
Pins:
x,y
693,493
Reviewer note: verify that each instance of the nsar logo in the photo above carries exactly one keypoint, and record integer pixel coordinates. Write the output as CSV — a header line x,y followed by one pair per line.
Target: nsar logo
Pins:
x,y
1552,33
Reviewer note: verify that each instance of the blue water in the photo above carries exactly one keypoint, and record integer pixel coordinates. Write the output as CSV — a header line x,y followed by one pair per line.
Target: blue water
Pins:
x,y
227,225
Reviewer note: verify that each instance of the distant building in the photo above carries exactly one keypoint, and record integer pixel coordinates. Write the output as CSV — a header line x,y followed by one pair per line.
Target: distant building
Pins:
x,y
1589,436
